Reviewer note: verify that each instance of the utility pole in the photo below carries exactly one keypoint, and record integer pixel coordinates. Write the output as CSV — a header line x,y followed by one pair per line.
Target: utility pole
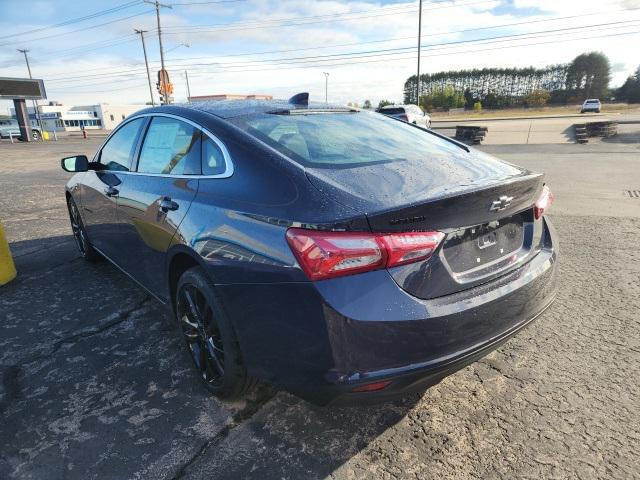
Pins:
x,y
326,87
186,76
419,41
35,102
144,49
158,5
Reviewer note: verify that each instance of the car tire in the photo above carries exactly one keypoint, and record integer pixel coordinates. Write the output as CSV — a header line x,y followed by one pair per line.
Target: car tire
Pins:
x,y
429,124
35,134
210,337
80,234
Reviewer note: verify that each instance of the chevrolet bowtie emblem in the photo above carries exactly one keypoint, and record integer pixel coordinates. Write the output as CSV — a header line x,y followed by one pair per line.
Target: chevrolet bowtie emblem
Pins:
x,y
500,204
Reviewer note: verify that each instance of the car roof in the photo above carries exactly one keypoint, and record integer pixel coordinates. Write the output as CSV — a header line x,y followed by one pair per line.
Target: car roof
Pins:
x,y
234,108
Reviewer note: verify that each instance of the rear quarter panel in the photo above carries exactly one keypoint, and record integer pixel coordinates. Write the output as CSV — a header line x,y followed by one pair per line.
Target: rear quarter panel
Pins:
x,y
238,224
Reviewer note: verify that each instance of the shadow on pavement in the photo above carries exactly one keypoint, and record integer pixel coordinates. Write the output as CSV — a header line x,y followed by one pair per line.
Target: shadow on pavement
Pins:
x,y
624,137
96,383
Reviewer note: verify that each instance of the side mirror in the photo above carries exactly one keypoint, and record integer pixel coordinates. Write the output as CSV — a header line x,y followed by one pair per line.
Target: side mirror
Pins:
x,y
79,163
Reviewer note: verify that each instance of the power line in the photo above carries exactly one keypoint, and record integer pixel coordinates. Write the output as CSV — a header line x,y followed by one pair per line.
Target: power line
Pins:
x,y
368,59
205,3
90,27
399,50
386,40
383,55
76,20
320,18
116,41
386,60
350,63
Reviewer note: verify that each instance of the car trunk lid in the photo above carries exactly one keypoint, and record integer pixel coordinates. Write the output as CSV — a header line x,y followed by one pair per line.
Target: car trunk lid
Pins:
x,y
484,206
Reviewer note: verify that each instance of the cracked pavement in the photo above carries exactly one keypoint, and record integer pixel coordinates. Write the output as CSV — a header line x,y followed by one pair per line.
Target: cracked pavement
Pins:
x,y
96,383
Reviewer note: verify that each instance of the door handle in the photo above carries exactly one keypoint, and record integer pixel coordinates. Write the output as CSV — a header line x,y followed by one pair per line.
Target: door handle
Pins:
x,y
167,204
111,192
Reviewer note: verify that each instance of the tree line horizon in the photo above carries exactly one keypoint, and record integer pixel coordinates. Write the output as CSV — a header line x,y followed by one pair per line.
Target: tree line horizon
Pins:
x,y
586,76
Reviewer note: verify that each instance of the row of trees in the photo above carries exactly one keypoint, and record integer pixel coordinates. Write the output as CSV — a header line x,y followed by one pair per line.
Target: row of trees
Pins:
x,y
586,76
630,90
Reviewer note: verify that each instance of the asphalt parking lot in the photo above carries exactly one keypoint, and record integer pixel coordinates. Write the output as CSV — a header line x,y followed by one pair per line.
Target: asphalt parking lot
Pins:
x,y
96,382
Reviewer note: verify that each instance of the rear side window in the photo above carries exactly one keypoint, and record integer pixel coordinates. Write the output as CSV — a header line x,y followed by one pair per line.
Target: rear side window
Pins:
x,y
117,152
213,162
342,140
392,111
170,146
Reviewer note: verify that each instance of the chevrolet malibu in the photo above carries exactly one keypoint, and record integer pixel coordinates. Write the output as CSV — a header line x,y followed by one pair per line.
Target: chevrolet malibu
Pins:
x,y
342,255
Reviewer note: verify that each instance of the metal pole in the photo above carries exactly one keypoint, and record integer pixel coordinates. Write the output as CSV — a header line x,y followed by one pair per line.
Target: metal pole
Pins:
x,y
144,49
186,76
419,40
22,116
326,87
35,102
158,5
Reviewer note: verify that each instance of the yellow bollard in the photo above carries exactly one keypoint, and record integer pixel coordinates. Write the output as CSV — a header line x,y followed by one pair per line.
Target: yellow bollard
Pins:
x,y
7,268
45,135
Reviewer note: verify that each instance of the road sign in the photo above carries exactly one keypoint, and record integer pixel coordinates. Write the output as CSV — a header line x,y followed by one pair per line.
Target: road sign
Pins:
x,y
22,88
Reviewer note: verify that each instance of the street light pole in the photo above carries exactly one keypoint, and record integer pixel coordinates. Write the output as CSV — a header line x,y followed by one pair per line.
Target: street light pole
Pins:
x,y
35,102
326,87
146,62
419,40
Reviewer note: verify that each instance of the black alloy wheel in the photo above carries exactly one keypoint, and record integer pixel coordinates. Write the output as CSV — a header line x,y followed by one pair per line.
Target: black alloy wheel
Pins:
x,y
202,335
210,337
79,232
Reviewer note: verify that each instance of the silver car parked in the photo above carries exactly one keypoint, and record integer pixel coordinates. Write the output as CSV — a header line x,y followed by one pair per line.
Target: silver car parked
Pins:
x,y
591,105
409,113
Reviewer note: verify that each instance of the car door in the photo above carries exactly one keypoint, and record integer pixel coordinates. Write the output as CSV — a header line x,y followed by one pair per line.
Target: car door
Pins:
x,y
155,198
101,185
420,118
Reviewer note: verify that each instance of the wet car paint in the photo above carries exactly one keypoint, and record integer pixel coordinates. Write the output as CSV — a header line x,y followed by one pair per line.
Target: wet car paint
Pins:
x,y
316,337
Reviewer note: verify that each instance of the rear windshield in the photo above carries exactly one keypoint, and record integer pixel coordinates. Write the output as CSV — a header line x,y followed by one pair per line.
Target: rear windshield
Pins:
x,y
392,111
592,101
343,140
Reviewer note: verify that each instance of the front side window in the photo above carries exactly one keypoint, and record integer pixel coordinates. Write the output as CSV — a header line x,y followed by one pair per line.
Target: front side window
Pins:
x,y
170,147
117,152
342,140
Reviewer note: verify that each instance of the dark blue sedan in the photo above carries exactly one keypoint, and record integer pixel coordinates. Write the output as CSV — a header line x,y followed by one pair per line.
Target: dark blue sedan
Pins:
x,y
340,254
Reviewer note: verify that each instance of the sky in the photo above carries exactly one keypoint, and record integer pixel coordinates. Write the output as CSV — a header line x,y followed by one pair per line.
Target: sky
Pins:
x,y
282,47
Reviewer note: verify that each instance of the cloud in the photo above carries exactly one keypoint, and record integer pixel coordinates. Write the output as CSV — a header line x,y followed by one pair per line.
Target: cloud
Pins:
x,y
226,41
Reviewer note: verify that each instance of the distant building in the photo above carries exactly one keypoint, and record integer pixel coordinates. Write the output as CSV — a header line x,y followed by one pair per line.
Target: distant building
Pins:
x,y
61,118
228,96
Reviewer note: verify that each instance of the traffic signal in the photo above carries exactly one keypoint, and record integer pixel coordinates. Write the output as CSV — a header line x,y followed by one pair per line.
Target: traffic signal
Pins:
x,y
165,87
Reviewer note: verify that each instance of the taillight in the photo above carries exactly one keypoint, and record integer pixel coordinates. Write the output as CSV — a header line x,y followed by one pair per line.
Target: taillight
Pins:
x,y
410,247
543,203
325,255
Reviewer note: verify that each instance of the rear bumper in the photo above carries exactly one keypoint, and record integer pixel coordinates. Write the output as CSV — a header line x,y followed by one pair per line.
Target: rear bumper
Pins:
x,y
410,379
321,340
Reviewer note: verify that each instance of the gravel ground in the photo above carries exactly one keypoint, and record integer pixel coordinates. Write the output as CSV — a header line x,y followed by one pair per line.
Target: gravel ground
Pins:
x,y
96,382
